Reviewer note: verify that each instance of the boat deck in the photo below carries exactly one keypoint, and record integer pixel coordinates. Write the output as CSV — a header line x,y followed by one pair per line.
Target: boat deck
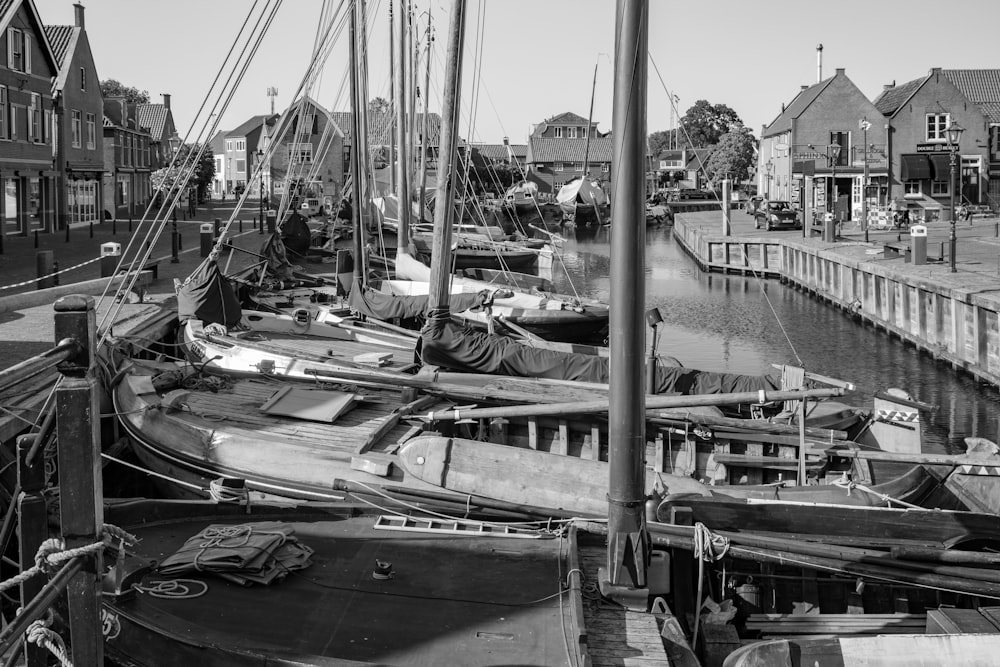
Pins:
x,y
328,350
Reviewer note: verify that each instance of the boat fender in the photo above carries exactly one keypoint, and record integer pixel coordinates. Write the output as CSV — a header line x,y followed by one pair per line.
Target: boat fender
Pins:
x,y
301,319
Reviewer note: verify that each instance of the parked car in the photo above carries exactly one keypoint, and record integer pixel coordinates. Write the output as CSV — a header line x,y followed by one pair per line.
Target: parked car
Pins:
x,y
776,215
753,205
693,193
310,207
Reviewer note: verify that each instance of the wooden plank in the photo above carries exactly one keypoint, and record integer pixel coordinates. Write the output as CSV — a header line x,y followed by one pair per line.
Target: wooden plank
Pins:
x,y
533,432
595,442
562,440
754,475
392,420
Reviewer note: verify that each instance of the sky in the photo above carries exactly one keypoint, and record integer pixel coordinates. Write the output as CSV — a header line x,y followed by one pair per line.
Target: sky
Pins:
x,y
528,60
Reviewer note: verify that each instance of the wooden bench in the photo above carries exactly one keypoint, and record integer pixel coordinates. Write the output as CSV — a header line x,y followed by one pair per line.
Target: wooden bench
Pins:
x,y
897,249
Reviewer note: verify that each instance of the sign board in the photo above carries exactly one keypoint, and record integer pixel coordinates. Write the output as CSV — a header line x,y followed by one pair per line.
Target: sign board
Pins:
x,y
936,148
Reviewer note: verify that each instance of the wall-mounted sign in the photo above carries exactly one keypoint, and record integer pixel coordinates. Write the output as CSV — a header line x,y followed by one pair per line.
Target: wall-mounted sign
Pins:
x,y
936,148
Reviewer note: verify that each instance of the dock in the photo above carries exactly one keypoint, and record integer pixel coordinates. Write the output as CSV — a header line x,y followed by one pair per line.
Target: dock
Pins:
x,y
951,316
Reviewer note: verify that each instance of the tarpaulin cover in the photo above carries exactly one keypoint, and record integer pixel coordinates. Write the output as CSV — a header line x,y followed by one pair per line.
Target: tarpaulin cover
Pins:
x,y
370,303
451,346
582,191
207,296
273,252
295,235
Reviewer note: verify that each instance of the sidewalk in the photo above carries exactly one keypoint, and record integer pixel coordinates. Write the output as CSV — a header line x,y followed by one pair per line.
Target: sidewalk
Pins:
x,y
18,260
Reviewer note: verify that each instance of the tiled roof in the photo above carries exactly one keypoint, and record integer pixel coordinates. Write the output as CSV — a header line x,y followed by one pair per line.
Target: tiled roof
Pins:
x,y
992,111
979,85
499,151
548,149
108,122
153,116
245,128
798,104
890,99
566,117
380,127
59,37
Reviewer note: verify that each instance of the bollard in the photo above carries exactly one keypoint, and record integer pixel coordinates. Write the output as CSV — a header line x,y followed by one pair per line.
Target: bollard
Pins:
x,y
215,227
81,507
36,238
175,246
255,222
114,226
55,274
91,229
180,241
241,225
272,221
130,222
111,254
918,244
43,265
67,231
207,239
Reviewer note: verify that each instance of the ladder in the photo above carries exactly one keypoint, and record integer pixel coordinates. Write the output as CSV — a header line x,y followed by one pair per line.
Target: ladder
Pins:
x,y
457,527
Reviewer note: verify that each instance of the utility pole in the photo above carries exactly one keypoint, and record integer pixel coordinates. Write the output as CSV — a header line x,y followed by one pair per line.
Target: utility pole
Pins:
x,y
272,92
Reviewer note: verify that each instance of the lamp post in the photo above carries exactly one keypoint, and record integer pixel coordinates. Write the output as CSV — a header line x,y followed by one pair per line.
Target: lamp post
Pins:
x,y
864,179
769,166
954,134
260,170
833,156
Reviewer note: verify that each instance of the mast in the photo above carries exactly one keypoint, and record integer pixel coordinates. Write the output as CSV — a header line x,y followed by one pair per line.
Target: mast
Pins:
x,y
590,122
444,209
392,95
628,539
402,166
425,121
356,147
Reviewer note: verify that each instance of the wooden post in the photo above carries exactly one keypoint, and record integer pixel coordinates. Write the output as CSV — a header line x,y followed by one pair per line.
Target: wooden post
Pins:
x,y
80,491
32,529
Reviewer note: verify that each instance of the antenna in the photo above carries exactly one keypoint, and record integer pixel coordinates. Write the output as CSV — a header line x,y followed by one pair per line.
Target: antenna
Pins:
x,y
272,92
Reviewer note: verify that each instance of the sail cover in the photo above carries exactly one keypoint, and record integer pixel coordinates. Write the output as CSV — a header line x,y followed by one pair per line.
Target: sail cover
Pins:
x,y
296,236
582,191
459,348
366,301
206,295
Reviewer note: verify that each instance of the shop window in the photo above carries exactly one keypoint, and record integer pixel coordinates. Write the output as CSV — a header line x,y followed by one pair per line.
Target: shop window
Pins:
x,y
912,188
937,126
940,188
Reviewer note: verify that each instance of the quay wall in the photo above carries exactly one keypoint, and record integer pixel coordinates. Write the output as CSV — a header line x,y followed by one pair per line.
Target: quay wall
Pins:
x,y
958,325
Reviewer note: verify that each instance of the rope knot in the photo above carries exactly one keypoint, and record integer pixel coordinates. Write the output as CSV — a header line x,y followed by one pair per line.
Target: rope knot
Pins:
x,y
46,550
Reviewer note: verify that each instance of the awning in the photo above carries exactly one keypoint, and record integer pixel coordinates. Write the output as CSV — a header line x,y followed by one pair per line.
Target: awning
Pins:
x,y
927,203
942,167
915,168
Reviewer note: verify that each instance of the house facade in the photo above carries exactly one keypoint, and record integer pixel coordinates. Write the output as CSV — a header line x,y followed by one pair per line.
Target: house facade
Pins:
x,y
820,149
80,136
560,147
242,152
307,153
158,120
681,167
218,147
127,161
28,179
919,113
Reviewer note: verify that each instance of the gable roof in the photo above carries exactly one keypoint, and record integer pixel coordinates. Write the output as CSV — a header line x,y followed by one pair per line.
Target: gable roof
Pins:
x,y
499,151
59,37
799,103
891,99
8,9
248,126
381,127
981,86
565,118
154,117
550,149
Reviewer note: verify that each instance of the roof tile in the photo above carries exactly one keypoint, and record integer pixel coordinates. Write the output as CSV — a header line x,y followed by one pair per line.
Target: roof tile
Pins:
x,y
59,37
550,149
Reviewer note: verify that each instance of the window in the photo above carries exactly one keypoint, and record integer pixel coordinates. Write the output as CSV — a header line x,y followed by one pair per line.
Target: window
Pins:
x,y
583,133
77,130
36,132
123,190
606,167
3,113
300,154
218,166
91,132
229,144
558,166
83,79
557,132
577,166
15,49
14,115
911,188
939,188
241,166
241,145
937,124
571,132
842,139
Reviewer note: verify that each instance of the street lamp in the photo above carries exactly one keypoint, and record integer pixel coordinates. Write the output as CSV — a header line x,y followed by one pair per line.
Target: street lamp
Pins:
x,y
770,168
864,179
833,156
260,170
954,135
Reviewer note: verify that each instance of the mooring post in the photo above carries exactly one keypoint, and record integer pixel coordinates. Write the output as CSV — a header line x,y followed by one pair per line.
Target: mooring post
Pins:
x,y
32,529
80,491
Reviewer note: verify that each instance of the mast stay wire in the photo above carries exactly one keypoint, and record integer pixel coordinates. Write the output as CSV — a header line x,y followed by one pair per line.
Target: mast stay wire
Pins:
x,y
756,275
172,198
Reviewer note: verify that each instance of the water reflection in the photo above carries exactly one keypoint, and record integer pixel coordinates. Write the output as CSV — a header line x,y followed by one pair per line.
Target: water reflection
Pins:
x,y
740,324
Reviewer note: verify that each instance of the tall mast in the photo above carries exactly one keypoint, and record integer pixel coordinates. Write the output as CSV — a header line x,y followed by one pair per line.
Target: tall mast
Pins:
x,y
357,147
392,96
444,209
628,540
590,122
402,165
411,86
425,120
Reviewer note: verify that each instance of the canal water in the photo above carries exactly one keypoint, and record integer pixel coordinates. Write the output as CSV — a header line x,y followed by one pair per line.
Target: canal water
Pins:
x,y
743,324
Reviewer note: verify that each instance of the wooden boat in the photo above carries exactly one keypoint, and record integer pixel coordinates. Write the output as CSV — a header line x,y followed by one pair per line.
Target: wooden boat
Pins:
x,y
975,649
383,587
584,201
472,252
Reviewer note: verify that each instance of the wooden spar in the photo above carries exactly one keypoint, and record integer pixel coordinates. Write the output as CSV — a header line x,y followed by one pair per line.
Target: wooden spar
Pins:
x,y
400,92
802,443
426,126
652,402
628,539
411,109
356,164
590,121
393,96
945,555
671,417
681,537
444,209
906,457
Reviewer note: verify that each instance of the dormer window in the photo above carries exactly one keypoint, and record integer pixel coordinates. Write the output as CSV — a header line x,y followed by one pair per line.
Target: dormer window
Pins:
x,y
15,49
572,132
557,132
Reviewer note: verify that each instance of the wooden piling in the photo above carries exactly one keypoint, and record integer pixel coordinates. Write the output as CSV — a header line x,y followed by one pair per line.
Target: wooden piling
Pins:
x,y
32,529
80,490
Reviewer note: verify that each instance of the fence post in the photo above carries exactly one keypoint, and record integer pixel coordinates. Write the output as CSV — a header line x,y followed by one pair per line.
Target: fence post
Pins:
x,y
80,491
32,529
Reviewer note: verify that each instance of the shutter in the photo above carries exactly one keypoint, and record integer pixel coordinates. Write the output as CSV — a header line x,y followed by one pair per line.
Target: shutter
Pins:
x,y
10,48
27,53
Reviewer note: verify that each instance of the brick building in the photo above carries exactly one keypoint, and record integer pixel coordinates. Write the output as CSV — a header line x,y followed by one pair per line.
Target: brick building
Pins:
x,y
558,148
127,161
308,154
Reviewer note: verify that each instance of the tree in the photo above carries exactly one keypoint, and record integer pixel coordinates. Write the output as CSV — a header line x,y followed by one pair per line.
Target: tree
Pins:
x,y
113,88
378,105
660,141
202,177
704,123
733,155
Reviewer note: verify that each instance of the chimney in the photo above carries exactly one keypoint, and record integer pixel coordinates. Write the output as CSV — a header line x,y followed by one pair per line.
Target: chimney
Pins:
x,y
166,100
888,86
819,63
506,141
803,87
839,71
78,12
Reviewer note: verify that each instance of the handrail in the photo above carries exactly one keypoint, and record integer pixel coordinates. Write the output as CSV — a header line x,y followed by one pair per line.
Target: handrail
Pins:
x,y
63,351
40,604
